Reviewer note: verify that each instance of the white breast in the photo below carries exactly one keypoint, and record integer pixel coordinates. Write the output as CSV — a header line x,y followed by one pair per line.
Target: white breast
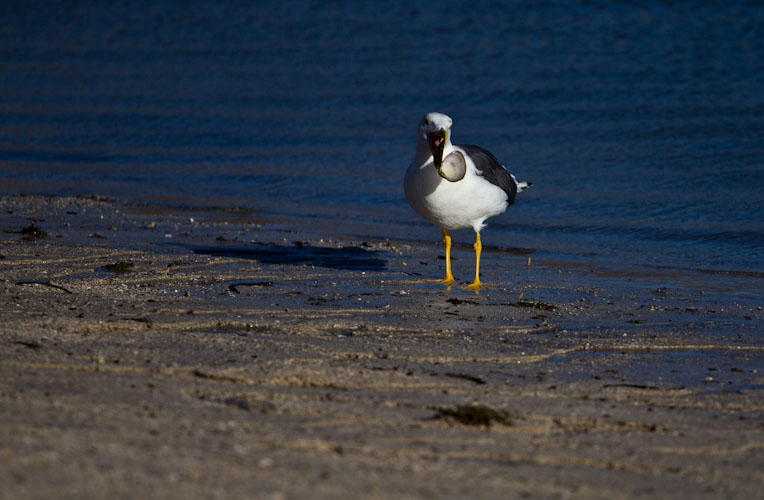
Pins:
x,y
463,203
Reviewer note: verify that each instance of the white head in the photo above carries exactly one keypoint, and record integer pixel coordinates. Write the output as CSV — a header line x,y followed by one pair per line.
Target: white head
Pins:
x,y
435,131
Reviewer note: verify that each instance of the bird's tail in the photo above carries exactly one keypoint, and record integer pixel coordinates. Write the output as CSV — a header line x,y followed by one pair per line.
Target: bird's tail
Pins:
x,y
521,185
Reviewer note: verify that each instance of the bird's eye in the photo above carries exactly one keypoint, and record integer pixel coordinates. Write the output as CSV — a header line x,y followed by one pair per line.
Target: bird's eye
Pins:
x,y
426,121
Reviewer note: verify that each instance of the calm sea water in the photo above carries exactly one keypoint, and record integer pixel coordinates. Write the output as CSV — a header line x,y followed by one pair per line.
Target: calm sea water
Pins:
x,y
641,125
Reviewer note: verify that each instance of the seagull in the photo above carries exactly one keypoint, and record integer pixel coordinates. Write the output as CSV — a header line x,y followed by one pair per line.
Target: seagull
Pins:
x,y
456,187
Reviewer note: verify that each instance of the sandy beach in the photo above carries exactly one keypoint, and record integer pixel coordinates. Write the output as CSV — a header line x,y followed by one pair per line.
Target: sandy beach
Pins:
x,y
212,284
218,353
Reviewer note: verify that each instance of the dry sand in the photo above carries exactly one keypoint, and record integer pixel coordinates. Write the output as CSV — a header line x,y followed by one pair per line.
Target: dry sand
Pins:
x,y
227,355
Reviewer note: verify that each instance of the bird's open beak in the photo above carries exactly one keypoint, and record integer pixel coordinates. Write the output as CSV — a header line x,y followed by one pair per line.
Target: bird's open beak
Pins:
x,y
437,142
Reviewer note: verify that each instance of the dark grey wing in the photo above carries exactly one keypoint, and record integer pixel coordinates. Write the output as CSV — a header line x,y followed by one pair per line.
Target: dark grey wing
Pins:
x,y
492,170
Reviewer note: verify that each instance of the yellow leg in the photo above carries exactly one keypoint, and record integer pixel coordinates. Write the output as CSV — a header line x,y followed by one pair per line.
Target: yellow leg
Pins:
x,y
476,285
449,279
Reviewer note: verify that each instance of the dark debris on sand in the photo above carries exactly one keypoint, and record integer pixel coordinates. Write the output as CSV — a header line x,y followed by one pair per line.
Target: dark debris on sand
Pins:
x,y
120,267
33,232
474,415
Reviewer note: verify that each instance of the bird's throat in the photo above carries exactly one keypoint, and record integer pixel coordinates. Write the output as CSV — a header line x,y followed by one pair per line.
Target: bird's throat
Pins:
x,y
437,142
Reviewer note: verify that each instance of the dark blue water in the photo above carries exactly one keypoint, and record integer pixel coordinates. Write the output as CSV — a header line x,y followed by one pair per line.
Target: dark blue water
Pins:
x,y
641,126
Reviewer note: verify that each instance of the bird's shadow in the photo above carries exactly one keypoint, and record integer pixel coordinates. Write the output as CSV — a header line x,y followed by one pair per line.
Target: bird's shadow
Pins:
x,y
351,257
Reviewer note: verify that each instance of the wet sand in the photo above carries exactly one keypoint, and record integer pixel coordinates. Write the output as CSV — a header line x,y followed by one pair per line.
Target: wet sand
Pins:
x,y
217,353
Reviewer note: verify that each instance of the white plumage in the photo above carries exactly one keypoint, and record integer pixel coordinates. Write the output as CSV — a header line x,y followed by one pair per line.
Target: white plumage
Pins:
x,y
456,187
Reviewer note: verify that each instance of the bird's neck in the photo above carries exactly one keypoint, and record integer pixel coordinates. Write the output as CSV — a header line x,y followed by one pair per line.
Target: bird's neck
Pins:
x,y
422,152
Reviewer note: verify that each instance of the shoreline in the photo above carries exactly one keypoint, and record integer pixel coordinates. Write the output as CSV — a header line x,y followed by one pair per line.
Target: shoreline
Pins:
x,y
238,356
